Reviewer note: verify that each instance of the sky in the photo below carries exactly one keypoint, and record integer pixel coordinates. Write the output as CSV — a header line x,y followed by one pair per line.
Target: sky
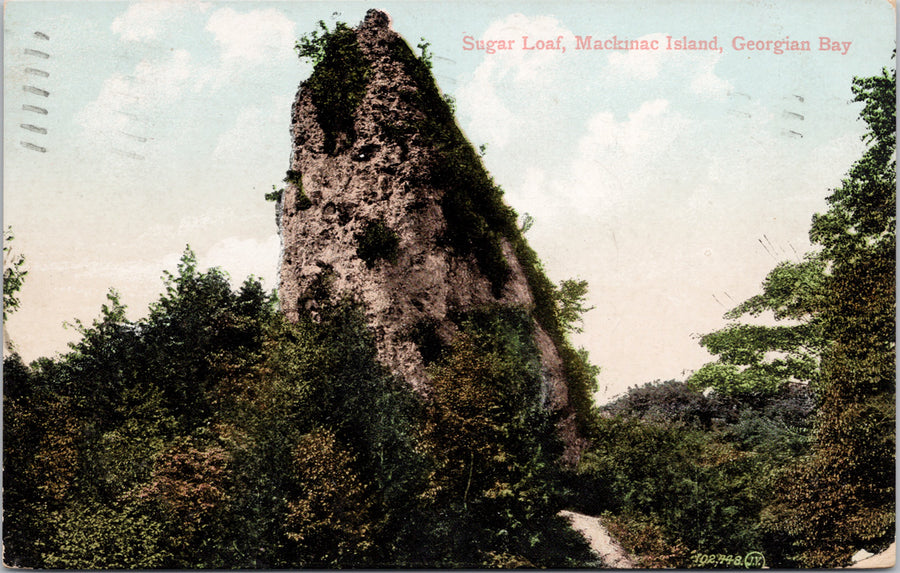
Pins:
x,y
671,180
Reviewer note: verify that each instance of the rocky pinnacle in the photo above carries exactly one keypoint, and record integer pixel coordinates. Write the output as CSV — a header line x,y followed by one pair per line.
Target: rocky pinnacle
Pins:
x,y
361,216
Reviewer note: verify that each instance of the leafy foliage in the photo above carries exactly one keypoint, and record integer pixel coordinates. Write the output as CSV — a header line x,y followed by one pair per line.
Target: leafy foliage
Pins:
x,y
861,218
214,434
339,79
92,535
677,471
425,55
189,487
581,375
570,298
302,202
495,449
13,275
312,46
834,485
843,496
691,482
642,536
330,517
40,461
674,401
377,242
757,359
274,194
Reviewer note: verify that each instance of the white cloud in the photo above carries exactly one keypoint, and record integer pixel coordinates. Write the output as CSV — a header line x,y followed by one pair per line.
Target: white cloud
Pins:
x,y
151,85
143,20
249,142
491,120
505,82
252,37
618,161
695,70
246,134
166,79
520,65
705,82
127,104
650,128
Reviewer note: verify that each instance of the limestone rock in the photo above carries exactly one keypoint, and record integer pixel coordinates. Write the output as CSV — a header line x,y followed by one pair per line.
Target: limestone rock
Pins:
x,y
363,215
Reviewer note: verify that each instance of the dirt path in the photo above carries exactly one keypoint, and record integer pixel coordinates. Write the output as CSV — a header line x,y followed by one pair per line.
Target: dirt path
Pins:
x,y
599,539
885,559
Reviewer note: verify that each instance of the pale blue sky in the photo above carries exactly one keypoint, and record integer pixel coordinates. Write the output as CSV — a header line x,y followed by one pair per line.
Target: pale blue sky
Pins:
x,y
653,175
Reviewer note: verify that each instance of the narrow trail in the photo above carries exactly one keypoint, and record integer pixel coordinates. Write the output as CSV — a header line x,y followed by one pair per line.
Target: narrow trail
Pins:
x,y
609,550
613,556
883,560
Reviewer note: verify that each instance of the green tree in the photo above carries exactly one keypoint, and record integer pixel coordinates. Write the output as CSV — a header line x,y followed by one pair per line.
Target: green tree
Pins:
x,y
329,518
319,379
196,323
41,463
496,453
842,497
570,297
91,426
675,470
95,535
188,494
701,491
13,275
759,359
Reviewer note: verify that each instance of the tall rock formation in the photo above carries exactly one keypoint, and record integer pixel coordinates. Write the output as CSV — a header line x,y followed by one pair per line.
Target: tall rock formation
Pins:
x,y
388,203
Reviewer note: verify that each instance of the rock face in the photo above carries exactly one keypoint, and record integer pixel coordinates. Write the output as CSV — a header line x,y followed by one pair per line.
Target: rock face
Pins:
x,y
364,213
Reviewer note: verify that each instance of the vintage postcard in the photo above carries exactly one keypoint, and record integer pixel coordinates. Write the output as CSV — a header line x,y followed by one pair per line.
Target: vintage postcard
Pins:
x,y
296,284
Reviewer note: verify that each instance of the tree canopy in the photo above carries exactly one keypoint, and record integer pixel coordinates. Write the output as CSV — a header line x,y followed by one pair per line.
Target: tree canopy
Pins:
x,y
213,433
839,304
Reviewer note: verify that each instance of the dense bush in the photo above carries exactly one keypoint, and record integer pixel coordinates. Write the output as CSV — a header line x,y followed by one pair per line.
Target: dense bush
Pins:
x,y
644,538
675,401
339,79
214,434
302,202
677,472
377,242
